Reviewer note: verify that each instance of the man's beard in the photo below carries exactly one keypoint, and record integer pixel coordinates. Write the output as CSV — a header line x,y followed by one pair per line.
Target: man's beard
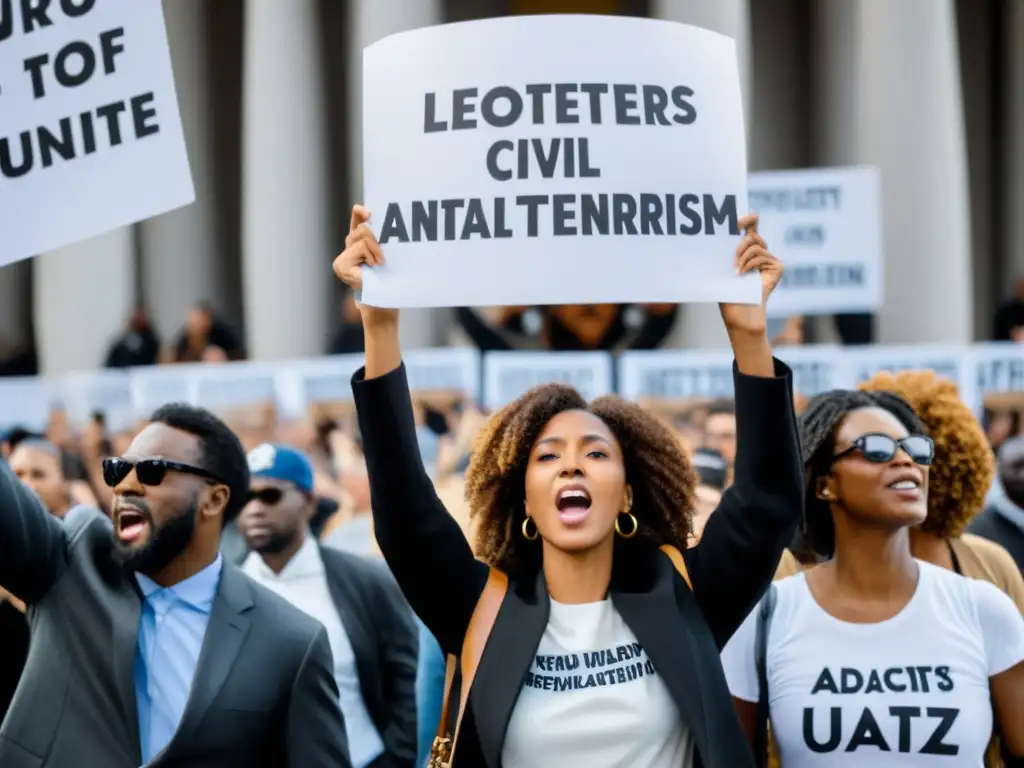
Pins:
x,y
277,542
164,545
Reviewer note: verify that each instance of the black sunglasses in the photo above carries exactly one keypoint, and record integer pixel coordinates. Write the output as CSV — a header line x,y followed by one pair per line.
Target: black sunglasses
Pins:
x,y
269,496
882,448
149,471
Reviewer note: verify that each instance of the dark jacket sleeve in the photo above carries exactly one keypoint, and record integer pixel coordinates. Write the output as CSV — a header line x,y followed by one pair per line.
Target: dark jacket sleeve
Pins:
x,y
316,735
399,638
33,552
423,545
737,555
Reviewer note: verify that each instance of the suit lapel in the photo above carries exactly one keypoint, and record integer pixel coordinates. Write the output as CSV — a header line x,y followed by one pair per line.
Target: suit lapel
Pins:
x,y
655,617
127,613
225,633
353,619
506,660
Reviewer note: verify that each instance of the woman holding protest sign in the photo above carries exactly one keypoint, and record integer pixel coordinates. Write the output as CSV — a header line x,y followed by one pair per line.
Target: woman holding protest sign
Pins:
x,y
601,650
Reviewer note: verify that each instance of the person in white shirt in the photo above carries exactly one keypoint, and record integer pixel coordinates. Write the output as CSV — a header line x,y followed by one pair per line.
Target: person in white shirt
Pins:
x,y
872,657
371,630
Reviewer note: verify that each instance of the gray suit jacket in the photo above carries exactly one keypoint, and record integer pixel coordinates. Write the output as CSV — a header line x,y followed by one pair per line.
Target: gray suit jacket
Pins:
x,y
263,696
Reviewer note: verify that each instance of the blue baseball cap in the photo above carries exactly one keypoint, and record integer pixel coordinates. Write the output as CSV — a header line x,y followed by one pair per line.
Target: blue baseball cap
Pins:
x,y
280,462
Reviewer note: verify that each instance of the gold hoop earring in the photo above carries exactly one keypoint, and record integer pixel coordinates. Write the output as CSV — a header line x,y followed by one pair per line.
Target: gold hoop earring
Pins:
x,y
633,529
526,529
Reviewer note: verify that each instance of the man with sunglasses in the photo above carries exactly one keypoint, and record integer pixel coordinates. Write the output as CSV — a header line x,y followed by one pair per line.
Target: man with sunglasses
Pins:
x,y
372,634
147,649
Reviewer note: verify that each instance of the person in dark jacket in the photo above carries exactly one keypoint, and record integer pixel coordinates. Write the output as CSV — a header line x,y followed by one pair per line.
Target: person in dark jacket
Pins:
x,y
373,636
146,647
1003,519
600,654
139,345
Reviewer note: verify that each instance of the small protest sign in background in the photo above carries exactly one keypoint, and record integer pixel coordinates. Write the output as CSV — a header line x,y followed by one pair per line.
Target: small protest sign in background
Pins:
x,y
90,134
507,375
825,225
518,161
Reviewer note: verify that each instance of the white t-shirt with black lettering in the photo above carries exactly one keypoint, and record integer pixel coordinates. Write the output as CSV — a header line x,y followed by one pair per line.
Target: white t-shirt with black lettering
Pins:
x,y
593,698
910,691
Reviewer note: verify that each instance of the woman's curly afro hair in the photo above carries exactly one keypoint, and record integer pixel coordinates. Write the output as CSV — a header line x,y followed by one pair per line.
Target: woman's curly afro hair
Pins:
x,y
658,469
964,465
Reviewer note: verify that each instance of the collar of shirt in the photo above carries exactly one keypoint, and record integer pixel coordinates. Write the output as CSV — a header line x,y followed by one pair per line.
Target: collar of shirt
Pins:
x,y
306,562
197,591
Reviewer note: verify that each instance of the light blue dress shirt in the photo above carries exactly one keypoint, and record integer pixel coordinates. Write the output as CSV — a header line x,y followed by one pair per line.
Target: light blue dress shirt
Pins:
x,y
171,632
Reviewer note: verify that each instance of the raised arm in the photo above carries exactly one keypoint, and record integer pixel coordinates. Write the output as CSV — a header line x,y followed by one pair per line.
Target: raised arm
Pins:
x,y
32,545
755,521
423,545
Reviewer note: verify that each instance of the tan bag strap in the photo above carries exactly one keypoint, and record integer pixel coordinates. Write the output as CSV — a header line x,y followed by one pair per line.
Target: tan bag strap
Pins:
x,y
680,564
480,626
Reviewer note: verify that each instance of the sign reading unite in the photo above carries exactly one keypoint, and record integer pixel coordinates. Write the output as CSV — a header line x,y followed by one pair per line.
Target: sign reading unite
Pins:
x,y
90,135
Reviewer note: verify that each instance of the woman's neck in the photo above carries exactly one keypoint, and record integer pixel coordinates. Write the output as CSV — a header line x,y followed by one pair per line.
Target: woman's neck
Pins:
x,y
578,577
930,548
874,563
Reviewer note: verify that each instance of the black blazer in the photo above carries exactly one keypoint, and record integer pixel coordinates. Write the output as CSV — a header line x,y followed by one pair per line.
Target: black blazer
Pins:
x,y
385,641
682,631
264,694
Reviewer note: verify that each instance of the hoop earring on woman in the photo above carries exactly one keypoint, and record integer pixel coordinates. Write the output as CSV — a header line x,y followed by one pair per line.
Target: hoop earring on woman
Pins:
x,y
526,529
633,528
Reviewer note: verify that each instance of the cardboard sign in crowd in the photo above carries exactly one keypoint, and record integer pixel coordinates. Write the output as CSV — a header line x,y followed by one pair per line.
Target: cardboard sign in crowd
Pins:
x,y
90,133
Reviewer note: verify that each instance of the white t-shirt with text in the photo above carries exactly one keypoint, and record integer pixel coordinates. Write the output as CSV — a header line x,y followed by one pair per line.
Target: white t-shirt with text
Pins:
x,y
909,691
593,698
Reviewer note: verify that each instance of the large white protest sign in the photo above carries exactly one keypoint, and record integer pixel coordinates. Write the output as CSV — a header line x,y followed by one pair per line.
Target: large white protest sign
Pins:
x,y
90,135
554,160
507,375
825,225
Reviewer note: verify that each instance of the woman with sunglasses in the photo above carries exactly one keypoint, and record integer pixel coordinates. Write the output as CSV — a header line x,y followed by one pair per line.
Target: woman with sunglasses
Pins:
x,y
873,657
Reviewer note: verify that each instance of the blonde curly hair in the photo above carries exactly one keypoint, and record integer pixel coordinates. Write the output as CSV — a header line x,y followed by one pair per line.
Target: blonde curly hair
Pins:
x,y
964,464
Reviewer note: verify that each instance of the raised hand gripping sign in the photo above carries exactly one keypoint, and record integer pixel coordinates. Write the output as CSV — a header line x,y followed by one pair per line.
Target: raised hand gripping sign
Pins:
x,y
90,134
554,159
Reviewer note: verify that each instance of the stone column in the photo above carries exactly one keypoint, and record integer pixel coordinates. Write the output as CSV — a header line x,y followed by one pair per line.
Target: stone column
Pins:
x,y
889,95
286,248
83,295
179,249
1013,94
369,21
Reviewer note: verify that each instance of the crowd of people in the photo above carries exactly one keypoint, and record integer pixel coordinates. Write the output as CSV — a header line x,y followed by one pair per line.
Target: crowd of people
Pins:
x,y
766,580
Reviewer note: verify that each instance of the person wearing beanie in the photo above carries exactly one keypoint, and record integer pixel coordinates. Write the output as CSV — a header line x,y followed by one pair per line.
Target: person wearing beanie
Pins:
x,y
372,633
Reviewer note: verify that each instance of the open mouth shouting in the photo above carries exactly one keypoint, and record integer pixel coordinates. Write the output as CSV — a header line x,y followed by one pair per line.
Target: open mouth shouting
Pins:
x,y
131,523
573,503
